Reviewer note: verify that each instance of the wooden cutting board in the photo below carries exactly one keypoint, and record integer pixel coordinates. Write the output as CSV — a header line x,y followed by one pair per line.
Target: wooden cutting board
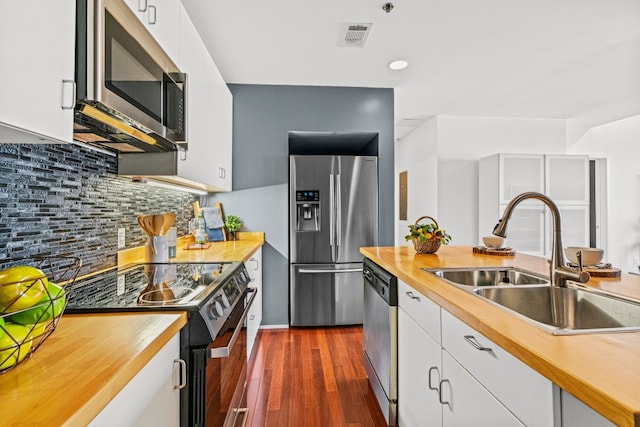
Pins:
x,y
603,272
489,251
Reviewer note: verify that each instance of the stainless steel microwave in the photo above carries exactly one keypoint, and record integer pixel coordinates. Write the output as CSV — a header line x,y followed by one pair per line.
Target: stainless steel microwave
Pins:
x,y
131,97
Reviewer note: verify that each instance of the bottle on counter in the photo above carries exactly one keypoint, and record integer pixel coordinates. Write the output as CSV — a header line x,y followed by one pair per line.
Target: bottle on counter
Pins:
x,y
200,232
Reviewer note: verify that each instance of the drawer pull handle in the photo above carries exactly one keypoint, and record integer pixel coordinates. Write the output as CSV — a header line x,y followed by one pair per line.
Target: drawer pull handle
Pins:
x,y
412,296
440,398
431,369
183,374
472,340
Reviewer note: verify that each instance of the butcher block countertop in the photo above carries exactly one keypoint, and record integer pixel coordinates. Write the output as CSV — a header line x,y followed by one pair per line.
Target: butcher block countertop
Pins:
x,y
76,372
602,370
232,250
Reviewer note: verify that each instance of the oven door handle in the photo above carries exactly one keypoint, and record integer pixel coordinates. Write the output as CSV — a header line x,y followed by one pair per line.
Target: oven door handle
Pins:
x,y
220,352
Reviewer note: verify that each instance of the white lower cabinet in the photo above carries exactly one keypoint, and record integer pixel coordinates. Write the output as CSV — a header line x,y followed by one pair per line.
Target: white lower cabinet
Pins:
x,y
465,402
152,397
526,393
419,367
254,317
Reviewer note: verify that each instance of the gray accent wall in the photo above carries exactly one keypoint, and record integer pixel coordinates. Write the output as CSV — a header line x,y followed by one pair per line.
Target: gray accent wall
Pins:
x,y
263,117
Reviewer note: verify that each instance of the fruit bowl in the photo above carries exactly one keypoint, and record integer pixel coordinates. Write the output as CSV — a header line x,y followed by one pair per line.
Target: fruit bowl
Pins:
x,y
33,295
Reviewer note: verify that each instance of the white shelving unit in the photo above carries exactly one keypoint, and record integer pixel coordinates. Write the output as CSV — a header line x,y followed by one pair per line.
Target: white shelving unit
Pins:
x,y
564,178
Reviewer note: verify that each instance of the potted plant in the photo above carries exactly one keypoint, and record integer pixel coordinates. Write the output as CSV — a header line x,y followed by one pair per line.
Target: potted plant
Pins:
x,y
233,224
428,237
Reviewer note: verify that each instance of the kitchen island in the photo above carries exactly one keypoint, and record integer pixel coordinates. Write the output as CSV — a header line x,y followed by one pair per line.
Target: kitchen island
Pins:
x,y
602,370
90,358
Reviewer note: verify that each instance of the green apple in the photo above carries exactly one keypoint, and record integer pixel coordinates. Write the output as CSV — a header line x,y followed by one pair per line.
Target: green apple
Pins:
x,y
14,345
21,287
50,306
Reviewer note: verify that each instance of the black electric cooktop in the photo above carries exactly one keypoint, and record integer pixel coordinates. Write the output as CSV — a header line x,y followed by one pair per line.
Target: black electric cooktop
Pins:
x,y
149,287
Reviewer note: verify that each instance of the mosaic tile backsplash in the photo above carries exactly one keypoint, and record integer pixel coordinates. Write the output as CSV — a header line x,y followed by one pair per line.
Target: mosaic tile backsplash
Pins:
x,y
66,200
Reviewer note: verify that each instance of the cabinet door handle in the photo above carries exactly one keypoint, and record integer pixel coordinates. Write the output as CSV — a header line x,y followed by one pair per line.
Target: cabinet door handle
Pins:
x,y
142,5
152,15
431,369
183,374
257,263
71,105
440,398
474,342
412,296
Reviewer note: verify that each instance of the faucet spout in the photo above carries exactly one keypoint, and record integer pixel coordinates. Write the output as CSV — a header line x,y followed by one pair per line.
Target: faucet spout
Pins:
x,y
559,273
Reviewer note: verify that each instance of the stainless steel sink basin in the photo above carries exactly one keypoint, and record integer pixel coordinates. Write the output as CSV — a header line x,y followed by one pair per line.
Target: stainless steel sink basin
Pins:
x,y
566,310
480,277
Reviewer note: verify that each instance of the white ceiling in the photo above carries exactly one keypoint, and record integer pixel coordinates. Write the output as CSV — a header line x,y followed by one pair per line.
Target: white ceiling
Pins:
x,y
565,59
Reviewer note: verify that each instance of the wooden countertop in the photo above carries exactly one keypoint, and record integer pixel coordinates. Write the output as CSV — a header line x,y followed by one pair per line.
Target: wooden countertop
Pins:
x,y
232,250
602,370
87,360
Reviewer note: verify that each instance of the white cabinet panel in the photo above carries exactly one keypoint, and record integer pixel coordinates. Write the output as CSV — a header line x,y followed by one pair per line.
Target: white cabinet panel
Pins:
x,y
209,113
150,398
468,402
424,311
564,178
520,173
161,18
500,372
37,41
567,179
254,317
419,357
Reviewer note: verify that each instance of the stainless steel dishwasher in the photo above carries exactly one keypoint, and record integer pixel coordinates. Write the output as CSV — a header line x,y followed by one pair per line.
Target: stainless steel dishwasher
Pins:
x,y
380,327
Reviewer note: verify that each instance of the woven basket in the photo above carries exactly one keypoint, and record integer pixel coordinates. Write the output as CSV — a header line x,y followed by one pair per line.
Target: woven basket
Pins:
x,y
429,246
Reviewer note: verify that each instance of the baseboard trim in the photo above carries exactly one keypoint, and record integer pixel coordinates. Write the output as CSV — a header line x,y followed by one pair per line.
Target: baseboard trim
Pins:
x,y
274,326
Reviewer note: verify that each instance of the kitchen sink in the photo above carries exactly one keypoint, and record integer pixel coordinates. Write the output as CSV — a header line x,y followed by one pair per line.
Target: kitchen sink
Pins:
x,y
566,310
480,277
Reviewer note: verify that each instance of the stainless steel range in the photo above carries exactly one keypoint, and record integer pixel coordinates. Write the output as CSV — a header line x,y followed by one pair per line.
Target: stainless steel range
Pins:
x,y
216,298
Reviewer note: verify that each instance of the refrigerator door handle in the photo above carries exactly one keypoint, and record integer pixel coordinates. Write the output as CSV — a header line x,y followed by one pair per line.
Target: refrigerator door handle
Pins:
x,y
320,271
332,217
338,215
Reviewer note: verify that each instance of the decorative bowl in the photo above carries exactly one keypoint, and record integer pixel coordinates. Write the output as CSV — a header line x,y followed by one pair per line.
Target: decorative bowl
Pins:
x,y
493,242
590,256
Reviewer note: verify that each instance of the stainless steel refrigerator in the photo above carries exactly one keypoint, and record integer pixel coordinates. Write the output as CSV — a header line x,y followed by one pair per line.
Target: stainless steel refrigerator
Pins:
x,y
333,212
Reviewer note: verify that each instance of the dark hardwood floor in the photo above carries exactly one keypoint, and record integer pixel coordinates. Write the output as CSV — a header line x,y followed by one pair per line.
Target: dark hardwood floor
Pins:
x,y
310,377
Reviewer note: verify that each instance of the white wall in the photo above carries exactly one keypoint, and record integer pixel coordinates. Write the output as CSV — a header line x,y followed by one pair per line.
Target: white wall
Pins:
x,y
417,153
462,141
619,142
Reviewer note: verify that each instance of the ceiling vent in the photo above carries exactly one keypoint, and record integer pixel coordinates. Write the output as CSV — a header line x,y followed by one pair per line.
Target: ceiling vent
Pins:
x,y
355,35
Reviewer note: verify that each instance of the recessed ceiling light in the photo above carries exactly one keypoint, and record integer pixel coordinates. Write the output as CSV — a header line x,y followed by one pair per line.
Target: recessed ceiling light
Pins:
x,y
398,65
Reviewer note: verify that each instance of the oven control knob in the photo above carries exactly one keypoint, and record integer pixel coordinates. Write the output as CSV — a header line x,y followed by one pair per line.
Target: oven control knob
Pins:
x,y
211,311
225,301
218,308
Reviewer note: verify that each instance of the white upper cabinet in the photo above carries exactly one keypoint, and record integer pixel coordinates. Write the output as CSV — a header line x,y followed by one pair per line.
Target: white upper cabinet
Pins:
x,y
567,179
209,113
37,72
564,178
162,19
519,173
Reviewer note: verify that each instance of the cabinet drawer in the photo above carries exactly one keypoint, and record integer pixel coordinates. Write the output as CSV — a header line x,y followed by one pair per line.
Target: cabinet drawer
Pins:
x,y
425,312
525,392
467,402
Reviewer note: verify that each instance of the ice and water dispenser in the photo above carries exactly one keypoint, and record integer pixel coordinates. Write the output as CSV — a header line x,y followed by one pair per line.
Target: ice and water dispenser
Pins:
x,y
308,210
